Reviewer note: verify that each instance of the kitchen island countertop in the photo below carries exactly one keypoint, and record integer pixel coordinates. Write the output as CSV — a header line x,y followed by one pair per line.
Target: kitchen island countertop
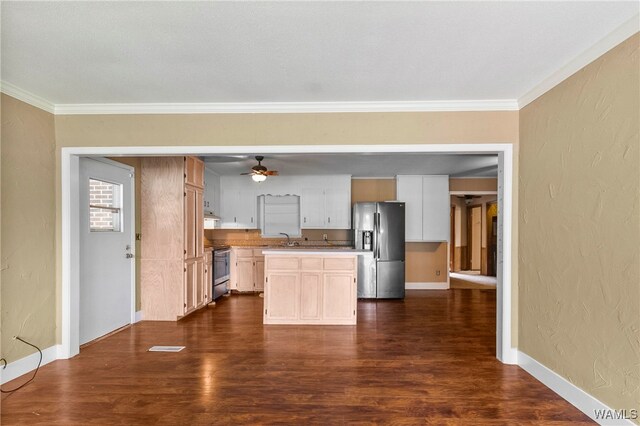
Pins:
x,y
301,251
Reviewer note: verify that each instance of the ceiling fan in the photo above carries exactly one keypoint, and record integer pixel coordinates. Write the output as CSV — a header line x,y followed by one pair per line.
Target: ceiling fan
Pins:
x,y
259,172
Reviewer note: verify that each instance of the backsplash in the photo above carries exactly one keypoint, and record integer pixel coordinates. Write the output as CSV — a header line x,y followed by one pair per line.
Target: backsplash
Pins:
x,y
251,237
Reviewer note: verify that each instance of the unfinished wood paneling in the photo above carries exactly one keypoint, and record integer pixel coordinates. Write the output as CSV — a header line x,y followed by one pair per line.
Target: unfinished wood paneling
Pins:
x,y
162,228
172,234
162,289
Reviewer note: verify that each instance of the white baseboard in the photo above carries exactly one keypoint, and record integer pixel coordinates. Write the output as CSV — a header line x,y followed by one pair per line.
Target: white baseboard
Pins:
x,y
427,286
29,363
567,390
139,316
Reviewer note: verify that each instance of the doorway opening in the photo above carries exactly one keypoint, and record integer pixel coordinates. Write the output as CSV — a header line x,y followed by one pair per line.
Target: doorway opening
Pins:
x,y
474,240
70,169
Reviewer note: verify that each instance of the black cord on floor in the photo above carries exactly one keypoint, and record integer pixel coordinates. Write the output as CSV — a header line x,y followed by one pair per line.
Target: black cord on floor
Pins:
x,y
34,373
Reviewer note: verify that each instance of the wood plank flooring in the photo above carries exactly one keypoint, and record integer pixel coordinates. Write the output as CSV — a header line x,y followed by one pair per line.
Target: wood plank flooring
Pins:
x,y
426,360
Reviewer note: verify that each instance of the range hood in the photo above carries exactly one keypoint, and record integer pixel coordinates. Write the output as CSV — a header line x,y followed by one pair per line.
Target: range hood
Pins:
x,y
210,220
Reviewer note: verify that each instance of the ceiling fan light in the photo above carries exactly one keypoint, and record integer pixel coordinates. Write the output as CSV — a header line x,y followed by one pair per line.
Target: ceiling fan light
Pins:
x,y
258,178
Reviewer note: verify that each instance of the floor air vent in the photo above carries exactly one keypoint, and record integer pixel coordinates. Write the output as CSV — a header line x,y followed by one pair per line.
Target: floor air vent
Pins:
x,y
166,348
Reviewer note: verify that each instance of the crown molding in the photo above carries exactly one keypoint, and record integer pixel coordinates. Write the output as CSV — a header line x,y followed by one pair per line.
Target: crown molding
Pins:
x,y
616,37
287,107
257,107
26,97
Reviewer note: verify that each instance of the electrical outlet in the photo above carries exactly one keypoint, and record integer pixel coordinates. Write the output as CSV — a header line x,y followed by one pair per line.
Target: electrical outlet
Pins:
x,y
437,272
324,237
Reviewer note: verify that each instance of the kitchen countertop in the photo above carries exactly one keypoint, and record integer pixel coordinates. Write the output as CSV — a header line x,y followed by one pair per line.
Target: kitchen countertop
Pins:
x,y
317,251
281,246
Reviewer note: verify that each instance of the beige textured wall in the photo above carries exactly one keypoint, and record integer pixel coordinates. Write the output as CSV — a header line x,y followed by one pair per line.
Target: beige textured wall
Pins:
x,y
28,228
287,129
369,190
580,228
426,262
473,184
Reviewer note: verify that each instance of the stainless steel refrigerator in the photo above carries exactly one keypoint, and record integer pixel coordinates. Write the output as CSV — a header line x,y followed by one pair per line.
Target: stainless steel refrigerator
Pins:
x,y
379,227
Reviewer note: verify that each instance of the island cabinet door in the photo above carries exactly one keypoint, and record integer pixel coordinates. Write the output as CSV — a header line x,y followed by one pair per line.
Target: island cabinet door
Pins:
x,y
338,296
281,301
310,296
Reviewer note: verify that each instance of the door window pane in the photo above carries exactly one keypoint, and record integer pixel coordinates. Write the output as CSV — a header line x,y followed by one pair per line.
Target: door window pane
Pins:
x,y
105,206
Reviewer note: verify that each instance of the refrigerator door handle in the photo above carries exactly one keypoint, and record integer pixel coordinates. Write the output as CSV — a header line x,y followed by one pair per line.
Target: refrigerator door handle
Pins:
x,y
377,254
375,235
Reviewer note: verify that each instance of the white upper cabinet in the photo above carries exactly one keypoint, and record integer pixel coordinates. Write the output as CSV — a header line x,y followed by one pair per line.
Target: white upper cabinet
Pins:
x,y
238,206
427,206
337,207
325,201
312,208
211,192
409,190
436,208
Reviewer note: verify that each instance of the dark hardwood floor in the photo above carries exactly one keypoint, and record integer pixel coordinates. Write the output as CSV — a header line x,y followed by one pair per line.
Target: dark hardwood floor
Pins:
x,y
426,360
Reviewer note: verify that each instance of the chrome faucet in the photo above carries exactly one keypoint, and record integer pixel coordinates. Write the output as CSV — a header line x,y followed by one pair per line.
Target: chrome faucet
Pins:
x,y
288,238
289,242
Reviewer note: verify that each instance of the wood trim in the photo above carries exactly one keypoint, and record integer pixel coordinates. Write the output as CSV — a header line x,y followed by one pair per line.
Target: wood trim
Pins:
x,y
468,266
452,240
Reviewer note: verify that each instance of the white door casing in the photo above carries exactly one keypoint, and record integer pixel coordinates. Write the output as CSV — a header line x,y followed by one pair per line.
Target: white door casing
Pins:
x,y
505,352
106,297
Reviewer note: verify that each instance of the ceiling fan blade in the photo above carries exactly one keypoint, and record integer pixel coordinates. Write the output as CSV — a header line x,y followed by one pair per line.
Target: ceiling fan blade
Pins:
x,y
271,173
248,173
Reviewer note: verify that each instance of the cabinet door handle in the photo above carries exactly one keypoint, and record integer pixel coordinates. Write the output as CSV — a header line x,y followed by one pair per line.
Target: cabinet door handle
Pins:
x,y
329,219
234,219
251,219
305,220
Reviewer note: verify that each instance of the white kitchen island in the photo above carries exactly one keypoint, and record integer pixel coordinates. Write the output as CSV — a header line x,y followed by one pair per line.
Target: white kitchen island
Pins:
x,y
311,286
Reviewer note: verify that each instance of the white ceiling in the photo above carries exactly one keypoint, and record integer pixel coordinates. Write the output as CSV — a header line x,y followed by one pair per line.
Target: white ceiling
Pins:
x,y
236,52
361,165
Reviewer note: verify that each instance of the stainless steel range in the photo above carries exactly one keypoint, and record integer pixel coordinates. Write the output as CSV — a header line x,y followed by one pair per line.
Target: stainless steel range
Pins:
x,y
221,271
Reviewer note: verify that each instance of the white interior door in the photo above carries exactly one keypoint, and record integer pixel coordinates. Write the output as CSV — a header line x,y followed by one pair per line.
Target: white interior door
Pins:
x,y
106,241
